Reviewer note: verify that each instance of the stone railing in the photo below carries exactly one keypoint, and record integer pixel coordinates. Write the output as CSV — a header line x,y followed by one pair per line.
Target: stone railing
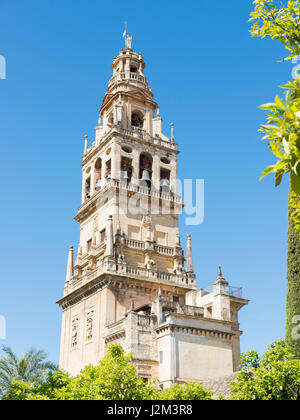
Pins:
x,y
164,250
132,188
123,270
231,291
157,276
133,243
160,249
183,309
133,132
126,76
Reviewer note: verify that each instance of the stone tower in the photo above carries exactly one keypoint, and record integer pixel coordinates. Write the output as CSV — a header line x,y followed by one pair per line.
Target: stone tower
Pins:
x,y
130,282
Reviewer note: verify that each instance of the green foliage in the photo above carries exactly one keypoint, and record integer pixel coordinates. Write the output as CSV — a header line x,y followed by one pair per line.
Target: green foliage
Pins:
x,y
31,368
283,128
115,378
274,376
190,391
278,22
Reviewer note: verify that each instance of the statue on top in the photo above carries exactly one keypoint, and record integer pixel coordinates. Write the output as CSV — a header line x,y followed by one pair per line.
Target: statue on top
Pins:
x,y
127,37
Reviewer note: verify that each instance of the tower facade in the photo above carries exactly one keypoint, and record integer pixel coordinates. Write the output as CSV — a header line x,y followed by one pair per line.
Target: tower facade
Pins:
x,y
130,282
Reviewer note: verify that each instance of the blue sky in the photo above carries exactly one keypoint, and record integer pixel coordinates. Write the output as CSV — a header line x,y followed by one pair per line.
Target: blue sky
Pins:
x,y
208,76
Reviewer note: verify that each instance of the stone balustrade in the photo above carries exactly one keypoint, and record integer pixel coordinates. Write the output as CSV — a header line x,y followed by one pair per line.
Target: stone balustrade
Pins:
x,y
133,133
126,76
141,273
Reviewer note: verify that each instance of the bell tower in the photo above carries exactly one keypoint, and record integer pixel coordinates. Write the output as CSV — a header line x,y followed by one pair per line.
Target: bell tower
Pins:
x,y
130,271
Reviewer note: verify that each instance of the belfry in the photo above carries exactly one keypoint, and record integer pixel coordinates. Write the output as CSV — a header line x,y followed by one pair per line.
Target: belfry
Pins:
x,y
131,282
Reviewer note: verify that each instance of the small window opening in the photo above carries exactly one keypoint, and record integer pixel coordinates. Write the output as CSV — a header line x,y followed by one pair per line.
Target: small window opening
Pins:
x,y
146,169
164,180
137,120
102,236
126,169
88,188
98,174
209,312
89,246
108,170
133,69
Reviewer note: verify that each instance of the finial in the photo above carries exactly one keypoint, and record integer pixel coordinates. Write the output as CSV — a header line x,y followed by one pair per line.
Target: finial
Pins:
x,y
119,228
172,132
159,293
158,112
220,271
128,38
178,241
85,144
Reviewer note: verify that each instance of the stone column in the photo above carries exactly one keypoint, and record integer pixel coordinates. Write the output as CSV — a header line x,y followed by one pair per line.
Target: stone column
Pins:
x,y
189,255
173,178
115,161
69,273
156,172
135,167
92,175
109,238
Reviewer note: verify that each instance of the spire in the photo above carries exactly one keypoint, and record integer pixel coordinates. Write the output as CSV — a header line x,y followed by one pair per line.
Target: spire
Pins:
x,y
69,274
118,236
220,278
119,228
189,255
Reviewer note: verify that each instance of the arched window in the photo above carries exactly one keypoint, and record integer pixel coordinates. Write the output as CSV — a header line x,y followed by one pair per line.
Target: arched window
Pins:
x,y
88,188
110,119
126,169
108,170
165,180
146,168
98,174
137,119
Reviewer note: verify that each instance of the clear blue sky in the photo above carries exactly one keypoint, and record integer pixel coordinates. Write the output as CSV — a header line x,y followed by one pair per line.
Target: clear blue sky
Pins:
x,y
208,75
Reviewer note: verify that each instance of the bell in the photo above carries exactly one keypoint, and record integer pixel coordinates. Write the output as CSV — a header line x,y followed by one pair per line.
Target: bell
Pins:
x,y
98,185
165,183
124,175
146,175
165,186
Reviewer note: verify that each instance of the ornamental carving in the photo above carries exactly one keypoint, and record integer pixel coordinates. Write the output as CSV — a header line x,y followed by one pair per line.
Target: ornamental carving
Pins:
x,y
90,325
75,328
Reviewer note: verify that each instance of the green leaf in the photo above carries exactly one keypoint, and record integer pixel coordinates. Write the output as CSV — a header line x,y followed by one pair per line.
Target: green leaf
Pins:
x,y
279,102
268,106
267,171
278,178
